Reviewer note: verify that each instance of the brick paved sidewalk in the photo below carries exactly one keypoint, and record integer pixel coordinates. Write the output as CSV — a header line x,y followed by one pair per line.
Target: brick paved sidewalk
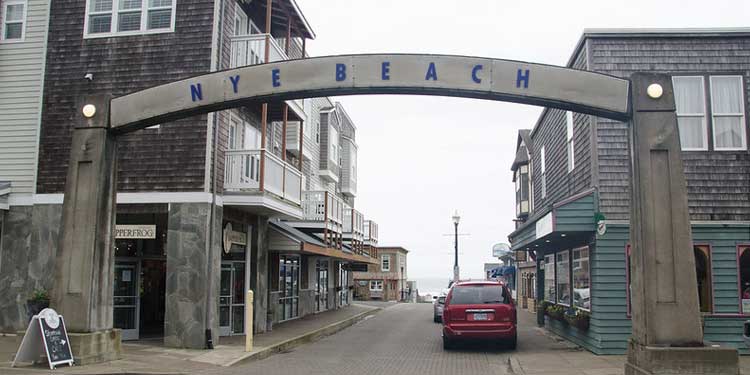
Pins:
x,y
151,357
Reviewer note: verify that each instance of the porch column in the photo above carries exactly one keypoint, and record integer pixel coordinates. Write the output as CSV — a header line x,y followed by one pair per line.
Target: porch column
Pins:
x,y
667,334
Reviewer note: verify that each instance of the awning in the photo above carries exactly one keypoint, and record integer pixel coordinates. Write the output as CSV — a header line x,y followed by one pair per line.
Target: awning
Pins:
x,y
566,223
503,271
4,195
285,238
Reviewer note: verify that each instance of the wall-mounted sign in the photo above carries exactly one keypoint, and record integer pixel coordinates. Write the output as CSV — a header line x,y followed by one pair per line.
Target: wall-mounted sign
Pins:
x,y
141,232
601,225
233,237
544,226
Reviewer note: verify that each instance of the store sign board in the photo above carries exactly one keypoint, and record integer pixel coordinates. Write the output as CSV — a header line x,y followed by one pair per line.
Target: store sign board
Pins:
x,y
460,76
46,334
544,226
233,237
140,231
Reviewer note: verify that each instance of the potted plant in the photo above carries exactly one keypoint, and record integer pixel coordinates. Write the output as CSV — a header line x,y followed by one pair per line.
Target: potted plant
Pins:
x,y
556,312
580,319
39,301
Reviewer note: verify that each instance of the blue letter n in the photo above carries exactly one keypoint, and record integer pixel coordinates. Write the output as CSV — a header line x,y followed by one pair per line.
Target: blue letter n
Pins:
x,y
195,92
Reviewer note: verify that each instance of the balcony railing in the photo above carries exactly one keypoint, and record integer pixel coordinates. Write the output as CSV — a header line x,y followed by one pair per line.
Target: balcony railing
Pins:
x,y
251,50
371,233
354,223
242,174
322,206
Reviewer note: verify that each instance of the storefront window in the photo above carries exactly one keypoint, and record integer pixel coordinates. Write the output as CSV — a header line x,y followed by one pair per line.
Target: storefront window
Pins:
x,y
744,276
581,279
563,277
549,278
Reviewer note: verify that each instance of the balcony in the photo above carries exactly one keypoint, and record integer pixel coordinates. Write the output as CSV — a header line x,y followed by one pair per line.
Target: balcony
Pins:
x,y
250,49
354,229
242,175
322,214
371,233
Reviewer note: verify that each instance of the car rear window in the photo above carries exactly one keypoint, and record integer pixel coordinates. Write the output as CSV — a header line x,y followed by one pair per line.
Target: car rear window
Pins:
x,y
441,300
478,294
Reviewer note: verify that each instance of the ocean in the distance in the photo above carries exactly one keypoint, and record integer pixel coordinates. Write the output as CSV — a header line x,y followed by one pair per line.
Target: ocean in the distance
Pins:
x,y
431,285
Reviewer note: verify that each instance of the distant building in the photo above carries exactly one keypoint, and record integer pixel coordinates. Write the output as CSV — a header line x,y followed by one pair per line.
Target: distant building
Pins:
x,y
384,281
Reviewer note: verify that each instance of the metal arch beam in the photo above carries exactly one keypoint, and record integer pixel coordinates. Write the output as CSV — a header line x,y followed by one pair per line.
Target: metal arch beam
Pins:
x,y
445,75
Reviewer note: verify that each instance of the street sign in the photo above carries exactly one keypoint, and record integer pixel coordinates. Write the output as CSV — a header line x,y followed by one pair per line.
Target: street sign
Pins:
x,y
46,332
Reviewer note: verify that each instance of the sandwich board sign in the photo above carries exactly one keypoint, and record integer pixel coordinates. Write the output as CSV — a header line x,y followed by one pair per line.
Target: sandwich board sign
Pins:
x,y
46,332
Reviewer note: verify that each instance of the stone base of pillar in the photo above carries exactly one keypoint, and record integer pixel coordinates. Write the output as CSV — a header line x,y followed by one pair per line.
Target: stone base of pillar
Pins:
x,y
651,360
96,347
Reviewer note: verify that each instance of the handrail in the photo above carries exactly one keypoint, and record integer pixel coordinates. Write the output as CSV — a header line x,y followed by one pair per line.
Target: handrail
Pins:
x,y
242,173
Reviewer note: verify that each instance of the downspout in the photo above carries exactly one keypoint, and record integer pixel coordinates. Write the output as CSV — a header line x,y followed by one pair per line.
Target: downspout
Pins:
x,y
214,184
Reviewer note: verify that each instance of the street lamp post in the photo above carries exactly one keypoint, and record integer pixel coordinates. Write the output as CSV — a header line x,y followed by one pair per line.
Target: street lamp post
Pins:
x,y
456,219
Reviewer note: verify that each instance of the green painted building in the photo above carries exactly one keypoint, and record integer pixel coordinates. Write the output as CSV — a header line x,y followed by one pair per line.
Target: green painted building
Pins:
x,y
572,176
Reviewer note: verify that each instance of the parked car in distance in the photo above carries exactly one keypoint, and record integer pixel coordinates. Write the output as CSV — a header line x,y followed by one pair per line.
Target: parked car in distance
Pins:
x,y
437,308
479,310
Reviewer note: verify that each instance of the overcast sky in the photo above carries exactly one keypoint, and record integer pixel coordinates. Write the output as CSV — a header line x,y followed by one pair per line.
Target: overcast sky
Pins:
x,y
421,157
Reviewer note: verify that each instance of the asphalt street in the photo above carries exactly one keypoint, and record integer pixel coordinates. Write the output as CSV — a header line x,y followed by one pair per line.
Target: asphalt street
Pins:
x,y
401,339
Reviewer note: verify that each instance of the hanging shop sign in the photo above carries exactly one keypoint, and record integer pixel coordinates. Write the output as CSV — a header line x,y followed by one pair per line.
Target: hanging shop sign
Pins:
x,y
45,334
140,232
233,237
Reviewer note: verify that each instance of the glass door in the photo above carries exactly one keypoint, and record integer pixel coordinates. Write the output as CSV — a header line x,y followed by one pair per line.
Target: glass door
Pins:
x,y
232,299
126,302
225,300
321,290
238,298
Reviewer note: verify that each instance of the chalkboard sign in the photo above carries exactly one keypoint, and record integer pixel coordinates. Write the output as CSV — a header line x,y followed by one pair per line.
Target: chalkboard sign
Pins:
x,y
46,332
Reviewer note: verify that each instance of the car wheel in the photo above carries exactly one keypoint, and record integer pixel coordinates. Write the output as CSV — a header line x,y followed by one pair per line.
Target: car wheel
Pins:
x,y
435,319
447,343
513,343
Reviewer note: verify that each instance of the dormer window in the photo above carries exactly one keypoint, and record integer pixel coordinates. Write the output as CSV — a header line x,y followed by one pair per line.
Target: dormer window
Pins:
x,y
522,190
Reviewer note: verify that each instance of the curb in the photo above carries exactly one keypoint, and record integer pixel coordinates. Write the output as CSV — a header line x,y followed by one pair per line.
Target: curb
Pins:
x,y
302,339
514,366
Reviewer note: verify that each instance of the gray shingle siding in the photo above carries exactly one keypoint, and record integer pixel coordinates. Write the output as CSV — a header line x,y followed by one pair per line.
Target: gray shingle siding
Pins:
x,y
718,181
171,158
551,132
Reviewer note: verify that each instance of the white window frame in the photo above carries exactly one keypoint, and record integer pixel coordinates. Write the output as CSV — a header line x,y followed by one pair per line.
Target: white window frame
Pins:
x,y
333,145
113,24
374,285
569,123
741,114
23,20
703,115
543,177
383,259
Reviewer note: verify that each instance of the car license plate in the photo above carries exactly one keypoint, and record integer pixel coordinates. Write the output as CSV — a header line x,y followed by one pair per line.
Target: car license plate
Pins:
x,y
480,317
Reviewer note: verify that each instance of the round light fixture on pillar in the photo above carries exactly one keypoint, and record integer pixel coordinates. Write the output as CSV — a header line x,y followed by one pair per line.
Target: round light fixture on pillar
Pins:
x,y
654,91
89,110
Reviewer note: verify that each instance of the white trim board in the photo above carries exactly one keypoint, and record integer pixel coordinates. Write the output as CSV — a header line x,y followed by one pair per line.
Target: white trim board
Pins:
x,y
140,198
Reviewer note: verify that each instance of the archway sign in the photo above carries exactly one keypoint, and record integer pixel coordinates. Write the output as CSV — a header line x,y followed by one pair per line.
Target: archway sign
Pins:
x,y
666,317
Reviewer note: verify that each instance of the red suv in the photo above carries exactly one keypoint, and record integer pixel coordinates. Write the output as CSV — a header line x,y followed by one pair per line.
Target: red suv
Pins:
x,y
482,310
